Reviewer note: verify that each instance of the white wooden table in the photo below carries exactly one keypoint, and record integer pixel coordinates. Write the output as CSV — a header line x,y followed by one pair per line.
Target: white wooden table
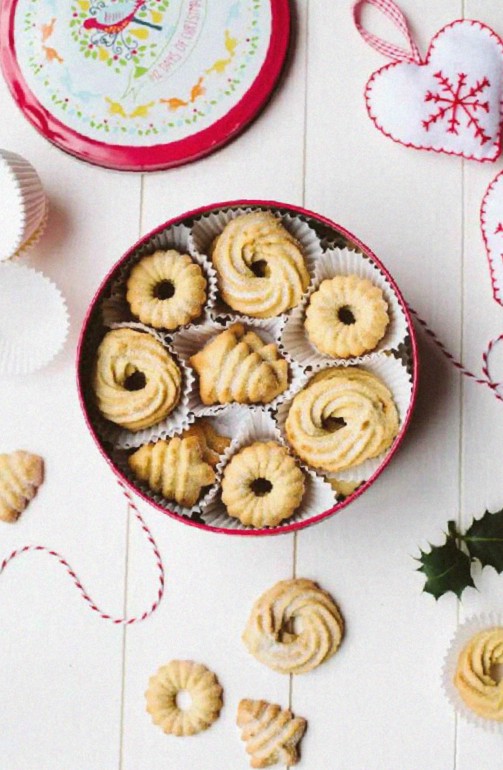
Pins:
x,y
72,685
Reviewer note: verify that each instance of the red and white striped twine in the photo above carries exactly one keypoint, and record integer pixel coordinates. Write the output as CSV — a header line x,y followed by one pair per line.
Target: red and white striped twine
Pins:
x,y
77,582
487,379
392,12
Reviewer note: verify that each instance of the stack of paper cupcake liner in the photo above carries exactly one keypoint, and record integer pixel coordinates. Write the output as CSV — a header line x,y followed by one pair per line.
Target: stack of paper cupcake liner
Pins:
x,y
26,203
34,318
464,633
391,362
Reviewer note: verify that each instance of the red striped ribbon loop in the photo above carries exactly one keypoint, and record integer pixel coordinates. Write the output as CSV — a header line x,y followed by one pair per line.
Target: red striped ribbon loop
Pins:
x,y
392,12
126,620
496,387
487,379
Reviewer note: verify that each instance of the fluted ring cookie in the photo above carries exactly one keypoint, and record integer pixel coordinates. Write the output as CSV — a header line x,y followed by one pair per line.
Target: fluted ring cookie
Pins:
x,y
262,485
136,382
474,678
343,417
294,627
346,316
196,680
261,268
166,290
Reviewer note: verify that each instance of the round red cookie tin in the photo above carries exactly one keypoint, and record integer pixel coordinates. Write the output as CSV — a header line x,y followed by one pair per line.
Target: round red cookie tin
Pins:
x,y
332,240
142,85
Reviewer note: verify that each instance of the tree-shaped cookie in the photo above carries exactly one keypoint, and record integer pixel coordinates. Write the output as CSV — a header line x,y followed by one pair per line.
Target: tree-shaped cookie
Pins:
x,y
21,474
238,366
271,733
174,468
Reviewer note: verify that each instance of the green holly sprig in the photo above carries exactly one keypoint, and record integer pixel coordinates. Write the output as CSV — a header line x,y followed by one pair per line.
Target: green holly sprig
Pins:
x,y
448,567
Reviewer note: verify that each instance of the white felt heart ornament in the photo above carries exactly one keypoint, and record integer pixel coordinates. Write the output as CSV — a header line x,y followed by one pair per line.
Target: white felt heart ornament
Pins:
x,y
491,220
450,101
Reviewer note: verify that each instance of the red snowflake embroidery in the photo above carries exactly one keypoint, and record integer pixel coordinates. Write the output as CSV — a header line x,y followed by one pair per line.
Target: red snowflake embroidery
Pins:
x,y
455,100
499,229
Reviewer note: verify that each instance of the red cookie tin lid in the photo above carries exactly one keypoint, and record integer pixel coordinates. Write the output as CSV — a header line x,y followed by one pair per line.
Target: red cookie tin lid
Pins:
x,y
142,84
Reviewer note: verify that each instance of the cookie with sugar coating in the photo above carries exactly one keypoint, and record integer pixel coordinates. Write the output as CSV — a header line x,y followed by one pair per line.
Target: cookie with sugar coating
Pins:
x,y
294,627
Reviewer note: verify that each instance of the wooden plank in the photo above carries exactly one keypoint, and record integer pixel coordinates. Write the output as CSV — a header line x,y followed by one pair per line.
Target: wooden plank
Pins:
x,y
482,413
213,580
60,666
378,703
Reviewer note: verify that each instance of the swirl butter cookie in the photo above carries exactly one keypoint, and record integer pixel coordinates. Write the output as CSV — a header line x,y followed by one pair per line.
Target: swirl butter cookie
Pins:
x,y
166,290
175,468
238,366
294,627
199,683
343,417
261,268
474,677
346,316
136,382
262,485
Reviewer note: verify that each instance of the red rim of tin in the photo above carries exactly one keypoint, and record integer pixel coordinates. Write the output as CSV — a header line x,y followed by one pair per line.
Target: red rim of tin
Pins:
x,y
156,157
413,344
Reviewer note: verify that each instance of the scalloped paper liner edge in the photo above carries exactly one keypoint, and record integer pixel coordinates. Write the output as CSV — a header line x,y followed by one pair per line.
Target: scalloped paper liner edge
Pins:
x,y
32,200
187,342
343,262
209,226
27,368
461,637
179,419
396,378
115,308
120,459
260,426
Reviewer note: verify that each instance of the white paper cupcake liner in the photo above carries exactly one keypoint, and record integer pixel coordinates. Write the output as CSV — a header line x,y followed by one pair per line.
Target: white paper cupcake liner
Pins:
x,y
34,320
24,206
187,342
115,309
339,241
226,425
179,419
398,381
209,226
464,633
331,264
260,426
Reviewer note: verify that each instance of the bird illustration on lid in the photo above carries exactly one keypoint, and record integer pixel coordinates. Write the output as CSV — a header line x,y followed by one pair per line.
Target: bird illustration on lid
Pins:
x,y
110,19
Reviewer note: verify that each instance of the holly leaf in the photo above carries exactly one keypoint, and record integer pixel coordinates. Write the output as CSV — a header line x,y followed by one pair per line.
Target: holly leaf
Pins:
x,y
140,71
446,569
484,540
